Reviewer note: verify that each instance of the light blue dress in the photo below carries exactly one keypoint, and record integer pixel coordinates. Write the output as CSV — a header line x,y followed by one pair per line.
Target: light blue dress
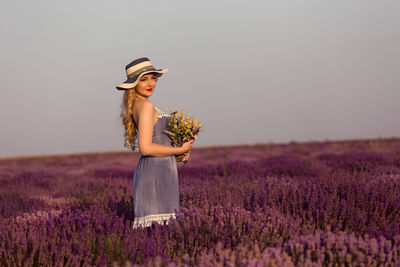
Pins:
x,y
155,182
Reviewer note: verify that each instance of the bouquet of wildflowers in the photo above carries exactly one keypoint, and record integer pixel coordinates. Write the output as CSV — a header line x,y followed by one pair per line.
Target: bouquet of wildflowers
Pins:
x,y
182,128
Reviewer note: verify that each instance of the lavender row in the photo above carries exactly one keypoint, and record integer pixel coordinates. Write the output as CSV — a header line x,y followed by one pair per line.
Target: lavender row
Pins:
x,y
96,236
283,205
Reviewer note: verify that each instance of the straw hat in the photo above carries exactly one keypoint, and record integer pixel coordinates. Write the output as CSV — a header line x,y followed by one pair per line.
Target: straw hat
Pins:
x,y
137,69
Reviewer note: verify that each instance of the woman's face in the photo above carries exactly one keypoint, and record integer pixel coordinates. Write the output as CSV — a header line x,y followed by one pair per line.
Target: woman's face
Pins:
x,y
146,84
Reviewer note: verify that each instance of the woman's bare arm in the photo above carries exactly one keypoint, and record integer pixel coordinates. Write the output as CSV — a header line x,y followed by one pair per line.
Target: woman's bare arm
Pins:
x,y
146,125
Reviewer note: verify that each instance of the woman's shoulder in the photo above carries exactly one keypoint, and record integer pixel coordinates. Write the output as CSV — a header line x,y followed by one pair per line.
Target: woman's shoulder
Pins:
x,y
145,105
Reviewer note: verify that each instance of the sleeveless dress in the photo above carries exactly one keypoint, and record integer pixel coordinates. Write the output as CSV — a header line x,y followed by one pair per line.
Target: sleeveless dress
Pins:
x,y
155,182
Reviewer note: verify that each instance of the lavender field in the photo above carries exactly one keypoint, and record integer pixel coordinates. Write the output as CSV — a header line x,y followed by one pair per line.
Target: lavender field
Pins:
x,y
333,203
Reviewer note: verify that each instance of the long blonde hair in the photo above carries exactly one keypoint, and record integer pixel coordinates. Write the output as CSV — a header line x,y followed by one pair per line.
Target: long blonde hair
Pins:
x,y
130,134
127,118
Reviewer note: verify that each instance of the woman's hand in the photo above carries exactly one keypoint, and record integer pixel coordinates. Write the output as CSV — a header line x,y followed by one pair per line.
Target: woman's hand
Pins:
x,y
187,146
185,151
185,157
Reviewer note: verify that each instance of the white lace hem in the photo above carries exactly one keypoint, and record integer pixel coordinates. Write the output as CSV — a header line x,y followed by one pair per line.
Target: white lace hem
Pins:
x,y
149,219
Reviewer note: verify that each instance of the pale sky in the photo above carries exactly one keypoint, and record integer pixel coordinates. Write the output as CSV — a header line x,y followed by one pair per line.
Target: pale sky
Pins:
x,y
251,71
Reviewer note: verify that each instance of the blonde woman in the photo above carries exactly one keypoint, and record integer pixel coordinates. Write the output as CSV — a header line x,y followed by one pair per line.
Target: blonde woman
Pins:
x,y
155,182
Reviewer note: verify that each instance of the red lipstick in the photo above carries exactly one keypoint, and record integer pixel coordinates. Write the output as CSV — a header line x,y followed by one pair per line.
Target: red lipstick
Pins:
x,y
149,90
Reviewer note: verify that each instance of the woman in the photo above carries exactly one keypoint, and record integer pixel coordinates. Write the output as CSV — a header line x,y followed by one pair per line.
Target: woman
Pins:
x,y
155,186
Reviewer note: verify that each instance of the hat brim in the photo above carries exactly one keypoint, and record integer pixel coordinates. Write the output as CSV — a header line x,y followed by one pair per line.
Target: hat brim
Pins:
x,y
130,83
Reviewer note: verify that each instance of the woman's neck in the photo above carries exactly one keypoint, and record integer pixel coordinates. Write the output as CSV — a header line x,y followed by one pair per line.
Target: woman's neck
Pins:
x,y
141,98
